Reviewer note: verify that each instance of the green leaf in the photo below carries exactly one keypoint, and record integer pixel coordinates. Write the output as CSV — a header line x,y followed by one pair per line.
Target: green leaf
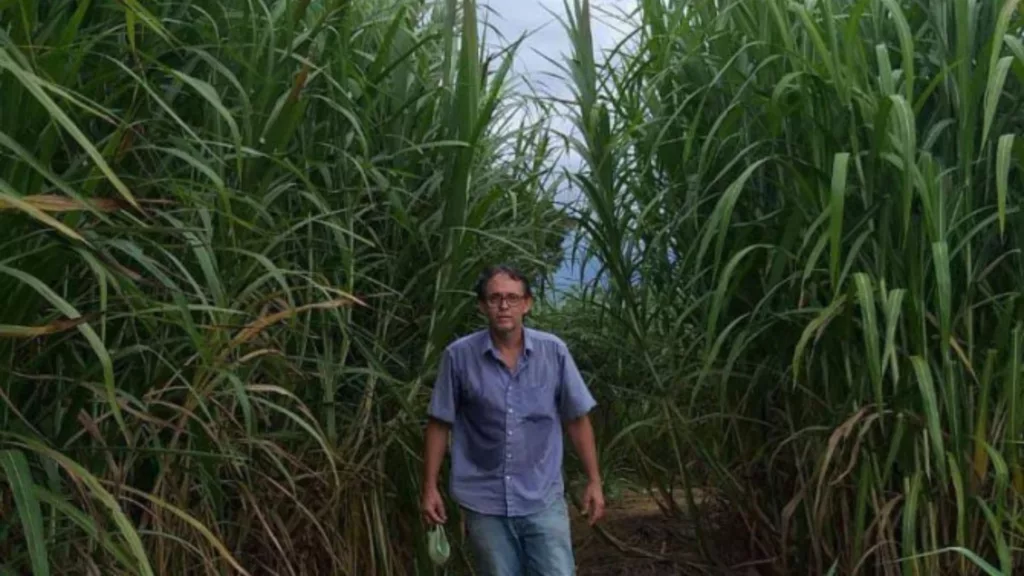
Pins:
x,y
893,308
814,327
840,164
19,477
886,80
35,85
978,561
10,197
868,311
932,414
97,345
993,91
908,147
906,46
1003,163
94,488
943,284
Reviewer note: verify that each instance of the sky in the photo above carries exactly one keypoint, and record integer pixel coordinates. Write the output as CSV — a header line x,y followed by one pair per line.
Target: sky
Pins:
x,y
547,39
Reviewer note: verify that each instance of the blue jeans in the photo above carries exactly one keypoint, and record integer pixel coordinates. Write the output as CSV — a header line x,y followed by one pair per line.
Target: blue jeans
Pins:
x,y
536,545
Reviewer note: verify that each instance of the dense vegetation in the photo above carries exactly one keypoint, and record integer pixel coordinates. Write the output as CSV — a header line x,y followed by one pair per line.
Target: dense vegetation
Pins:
x,y
805,221
235,234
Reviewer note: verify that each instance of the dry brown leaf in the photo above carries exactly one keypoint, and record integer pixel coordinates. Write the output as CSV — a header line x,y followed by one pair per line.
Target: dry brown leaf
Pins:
x,y
57,326
252,329
57,203
54,203
259,353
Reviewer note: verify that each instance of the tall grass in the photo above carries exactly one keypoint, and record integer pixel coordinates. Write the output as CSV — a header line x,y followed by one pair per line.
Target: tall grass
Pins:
x,y
233,237
803,213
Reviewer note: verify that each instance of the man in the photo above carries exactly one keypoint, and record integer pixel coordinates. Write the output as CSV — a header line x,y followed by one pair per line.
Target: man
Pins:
x,y
504,394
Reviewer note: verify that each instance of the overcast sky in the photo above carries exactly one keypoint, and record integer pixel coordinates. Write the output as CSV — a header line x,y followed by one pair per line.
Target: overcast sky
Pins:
x,y
547,39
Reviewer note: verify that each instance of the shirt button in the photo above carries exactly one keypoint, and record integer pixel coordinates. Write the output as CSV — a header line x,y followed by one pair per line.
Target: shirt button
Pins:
x,y
509,410
509,432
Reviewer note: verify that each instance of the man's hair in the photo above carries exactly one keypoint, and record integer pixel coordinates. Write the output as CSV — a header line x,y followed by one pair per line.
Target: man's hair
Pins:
x,y
492,271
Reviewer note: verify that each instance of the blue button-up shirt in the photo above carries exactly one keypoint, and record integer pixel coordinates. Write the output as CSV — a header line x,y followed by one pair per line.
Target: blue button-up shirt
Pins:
x,y
507,425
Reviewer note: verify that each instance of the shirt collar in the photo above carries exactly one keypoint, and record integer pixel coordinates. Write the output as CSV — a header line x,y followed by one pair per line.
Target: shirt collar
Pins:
x,y
490,348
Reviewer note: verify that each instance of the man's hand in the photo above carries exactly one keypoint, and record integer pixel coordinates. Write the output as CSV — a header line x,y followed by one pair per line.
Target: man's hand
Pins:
x,y
432,506
593,502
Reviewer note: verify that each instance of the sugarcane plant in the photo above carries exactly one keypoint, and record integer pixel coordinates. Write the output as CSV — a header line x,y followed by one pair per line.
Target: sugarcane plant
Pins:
x,y
809,254
233,237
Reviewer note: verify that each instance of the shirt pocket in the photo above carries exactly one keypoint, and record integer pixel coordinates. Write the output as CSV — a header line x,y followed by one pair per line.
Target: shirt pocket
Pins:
x,y
540,392
539,377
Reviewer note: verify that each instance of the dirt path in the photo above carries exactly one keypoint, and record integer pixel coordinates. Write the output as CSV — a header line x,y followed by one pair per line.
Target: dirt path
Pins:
x,y
636,539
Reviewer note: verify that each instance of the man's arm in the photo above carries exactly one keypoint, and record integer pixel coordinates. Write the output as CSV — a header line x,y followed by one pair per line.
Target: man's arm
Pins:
x,y
435,444
582,435
443,406
575,404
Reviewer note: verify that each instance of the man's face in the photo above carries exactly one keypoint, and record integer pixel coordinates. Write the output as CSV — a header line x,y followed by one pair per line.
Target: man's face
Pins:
x,y
505,303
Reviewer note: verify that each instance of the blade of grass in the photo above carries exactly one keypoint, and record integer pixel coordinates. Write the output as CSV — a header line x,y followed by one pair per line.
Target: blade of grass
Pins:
x,y
19,477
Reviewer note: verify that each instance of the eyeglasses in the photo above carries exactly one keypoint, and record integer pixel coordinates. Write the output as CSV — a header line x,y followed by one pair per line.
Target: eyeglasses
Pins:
x,y
513,300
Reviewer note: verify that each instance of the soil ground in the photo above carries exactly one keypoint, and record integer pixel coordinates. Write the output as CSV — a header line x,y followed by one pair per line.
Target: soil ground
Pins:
x,y
637,539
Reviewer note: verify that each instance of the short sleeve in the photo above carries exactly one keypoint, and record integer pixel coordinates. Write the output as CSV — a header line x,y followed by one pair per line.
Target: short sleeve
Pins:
x,y
574,398
444,398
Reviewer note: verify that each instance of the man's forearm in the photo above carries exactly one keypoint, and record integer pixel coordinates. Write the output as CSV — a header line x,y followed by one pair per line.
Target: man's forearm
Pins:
x,y
435,443
582,435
